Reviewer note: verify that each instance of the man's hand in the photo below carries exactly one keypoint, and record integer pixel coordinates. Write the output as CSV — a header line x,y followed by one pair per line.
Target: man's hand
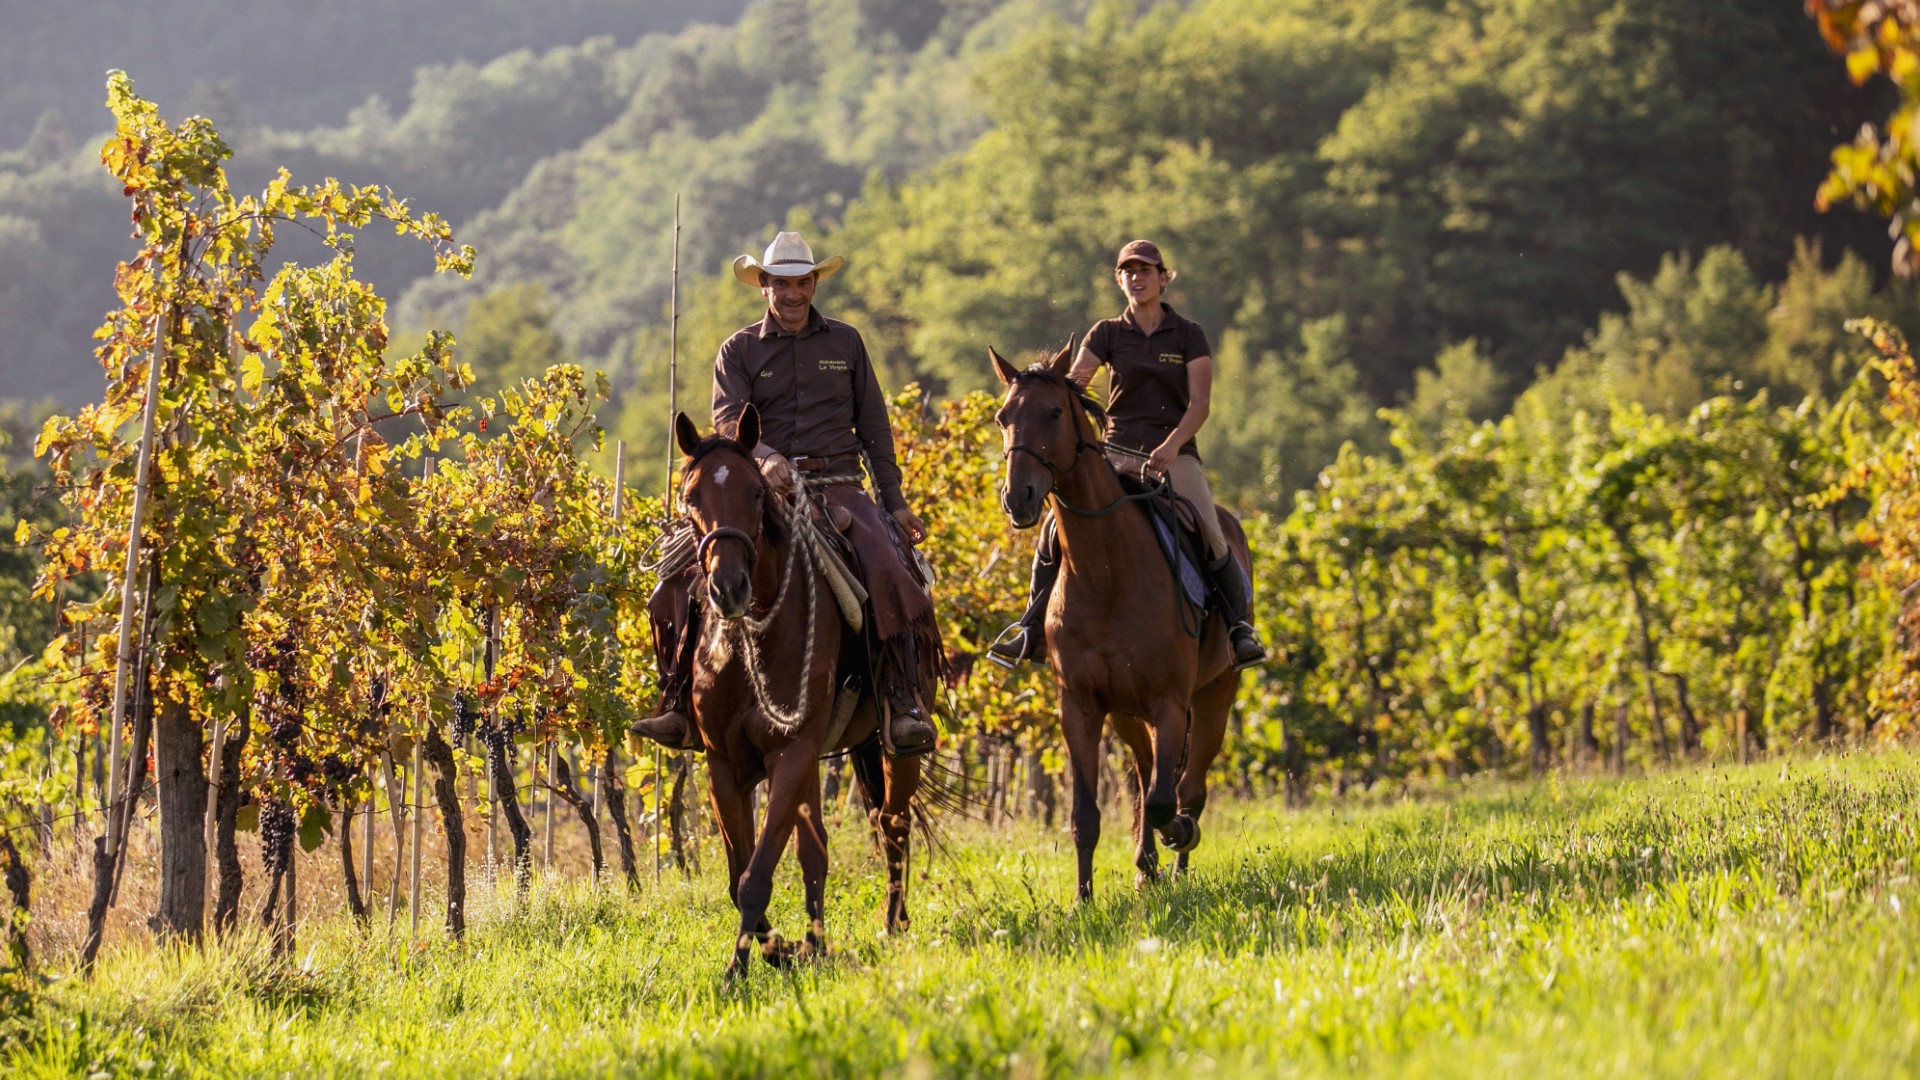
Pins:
x,y
911,526
777,470
1162,458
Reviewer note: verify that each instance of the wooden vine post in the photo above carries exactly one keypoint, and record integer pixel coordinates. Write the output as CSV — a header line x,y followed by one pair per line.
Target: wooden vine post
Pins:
x,y
123,654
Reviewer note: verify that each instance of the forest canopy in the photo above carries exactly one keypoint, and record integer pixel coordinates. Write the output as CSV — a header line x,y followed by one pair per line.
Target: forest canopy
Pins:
x,y
1375,204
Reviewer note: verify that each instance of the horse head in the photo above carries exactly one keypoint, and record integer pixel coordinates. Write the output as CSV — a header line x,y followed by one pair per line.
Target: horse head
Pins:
x,y
726,500
1046,421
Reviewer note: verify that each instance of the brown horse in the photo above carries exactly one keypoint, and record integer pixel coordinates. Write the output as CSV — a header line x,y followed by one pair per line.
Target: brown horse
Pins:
x,y
769,677
1114,629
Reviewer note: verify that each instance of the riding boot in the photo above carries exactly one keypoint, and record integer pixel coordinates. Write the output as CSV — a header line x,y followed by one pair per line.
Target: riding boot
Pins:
x,y
1236,603
1026,638
673,727
909,730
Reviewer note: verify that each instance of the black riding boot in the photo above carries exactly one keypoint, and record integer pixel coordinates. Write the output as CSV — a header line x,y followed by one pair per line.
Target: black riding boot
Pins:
x,y
672,727
1236,602
1026,638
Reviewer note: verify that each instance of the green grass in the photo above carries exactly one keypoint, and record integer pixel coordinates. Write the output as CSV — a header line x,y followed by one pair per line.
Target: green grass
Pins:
x,y
1746,922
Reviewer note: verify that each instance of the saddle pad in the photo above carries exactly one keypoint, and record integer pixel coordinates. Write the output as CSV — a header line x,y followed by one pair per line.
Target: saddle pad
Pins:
x,y
1192,582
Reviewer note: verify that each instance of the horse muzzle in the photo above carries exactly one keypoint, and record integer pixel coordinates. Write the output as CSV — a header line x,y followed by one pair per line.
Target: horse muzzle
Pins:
x,y
729,594
1023,504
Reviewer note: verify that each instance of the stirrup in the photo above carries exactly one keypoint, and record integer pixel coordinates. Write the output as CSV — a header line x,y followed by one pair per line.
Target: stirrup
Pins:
x,y
1013,647
886,734
1245,632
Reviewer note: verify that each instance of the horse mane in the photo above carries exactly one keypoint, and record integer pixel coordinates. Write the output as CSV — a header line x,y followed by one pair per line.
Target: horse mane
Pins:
x,y
1038,371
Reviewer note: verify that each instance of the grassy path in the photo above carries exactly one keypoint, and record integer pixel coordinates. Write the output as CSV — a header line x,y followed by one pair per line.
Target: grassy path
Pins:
x,y
1743,922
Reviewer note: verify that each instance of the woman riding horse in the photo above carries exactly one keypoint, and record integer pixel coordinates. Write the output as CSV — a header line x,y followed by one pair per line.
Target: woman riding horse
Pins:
x,y
1161,392
1125,639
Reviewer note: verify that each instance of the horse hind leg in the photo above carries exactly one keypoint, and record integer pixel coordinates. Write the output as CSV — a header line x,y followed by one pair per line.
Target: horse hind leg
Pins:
x,y
810,846
1146,853
896,831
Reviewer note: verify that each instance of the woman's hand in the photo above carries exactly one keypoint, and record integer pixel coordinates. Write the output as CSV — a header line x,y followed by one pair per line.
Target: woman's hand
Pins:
x,y
1162,457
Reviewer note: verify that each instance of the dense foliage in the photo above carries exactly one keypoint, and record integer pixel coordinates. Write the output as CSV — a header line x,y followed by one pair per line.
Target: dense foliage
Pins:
x,y
1365,200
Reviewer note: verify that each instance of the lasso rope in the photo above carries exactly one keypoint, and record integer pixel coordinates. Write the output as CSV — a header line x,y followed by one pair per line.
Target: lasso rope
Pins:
x,y
747,631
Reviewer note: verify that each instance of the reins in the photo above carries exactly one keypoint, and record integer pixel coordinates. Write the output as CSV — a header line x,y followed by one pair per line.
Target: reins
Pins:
x,y
748,630
1193,618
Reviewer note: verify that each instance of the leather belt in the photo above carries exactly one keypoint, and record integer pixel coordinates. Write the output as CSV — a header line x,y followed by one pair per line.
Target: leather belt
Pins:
x,y
840,463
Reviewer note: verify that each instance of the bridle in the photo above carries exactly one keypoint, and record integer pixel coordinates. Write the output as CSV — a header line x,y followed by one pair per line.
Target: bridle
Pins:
x,y
1100,446
729,532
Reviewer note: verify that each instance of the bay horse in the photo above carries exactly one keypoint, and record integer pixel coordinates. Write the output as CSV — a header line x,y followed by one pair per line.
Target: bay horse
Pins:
x,y
769,673
1115,635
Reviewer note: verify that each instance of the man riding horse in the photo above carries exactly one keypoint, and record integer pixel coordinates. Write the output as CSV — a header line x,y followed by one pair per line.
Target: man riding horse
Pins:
x,y
821,411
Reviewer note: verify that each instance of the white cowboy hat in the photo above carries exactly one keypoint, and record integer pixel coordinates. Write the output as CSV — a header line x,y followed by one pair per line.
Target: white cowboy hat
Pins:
x,y
787,256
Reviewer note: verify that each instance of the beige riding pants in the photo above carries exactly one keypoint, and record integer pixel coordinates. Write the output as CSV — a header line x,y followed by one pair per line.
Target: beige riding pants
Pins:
x,y
1190,483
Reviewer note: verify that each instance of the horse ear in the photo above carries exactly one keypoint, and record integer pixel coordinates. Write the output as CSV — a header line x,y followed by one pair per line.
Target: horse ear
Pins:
x,y
685,433
1006,371
1062,361
747,431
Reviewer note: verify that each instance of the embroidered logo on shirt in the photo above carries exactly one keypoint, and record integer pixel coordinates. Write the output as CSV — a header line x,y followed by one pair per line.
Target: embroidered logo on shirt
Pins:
x,y
833,365
767,374
1173,358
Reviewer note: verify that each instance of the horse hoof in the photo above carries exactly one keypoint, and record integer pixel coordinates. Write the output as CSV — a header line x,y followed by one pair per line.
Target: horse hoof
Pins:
x,y
778,951
1182,834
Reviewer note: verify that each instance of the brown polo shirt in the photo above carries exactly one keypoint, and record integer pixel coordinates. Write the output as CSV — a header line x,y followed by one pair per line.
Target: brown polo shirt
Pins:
x,y
816,391
1148,391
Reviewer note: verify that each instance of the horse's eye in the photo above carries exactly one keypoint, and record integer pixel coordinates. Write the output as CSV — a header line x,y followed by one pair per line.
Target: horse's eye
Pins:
x,y
1000,418
1055,413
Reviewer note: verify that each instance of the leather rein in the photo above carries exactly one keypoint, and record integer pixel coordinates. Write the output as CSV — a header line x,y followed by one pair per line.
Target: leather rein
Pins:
x,y
1101,446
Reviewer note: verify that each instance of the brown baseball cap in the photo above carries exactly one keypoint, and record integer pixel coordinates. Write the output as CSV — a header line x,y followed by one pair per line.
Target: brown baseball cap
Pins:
x,y
1145,251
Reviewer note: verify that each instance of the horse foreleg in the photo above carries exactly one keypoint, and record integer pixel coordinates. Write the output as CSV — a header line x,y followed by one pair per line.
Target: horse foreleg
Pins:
x,y
896,835
733,810
787,776
810,845
1212,707
1080,722
1146,854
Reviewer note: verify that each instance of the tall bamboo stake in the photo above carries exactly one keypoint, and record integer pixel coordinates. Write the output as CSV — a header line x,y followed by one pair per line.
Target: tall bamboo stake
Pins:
x,y
673,410
553,751
489,657
673,348
123,656
413,888
396,810
426,717
213,777
366,844
619,503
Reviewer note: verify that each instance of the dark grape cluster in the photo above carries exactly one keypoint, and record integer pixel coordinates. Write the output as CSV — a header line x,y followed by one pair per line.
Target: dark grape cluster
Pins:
x,y
337,771
497,735
466,713
277,825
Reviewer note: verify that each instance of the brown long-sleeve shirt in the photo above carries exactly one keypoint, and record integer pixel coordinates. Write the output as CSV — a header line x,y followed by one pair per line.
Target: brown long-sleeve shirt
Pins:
x,y
817,394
